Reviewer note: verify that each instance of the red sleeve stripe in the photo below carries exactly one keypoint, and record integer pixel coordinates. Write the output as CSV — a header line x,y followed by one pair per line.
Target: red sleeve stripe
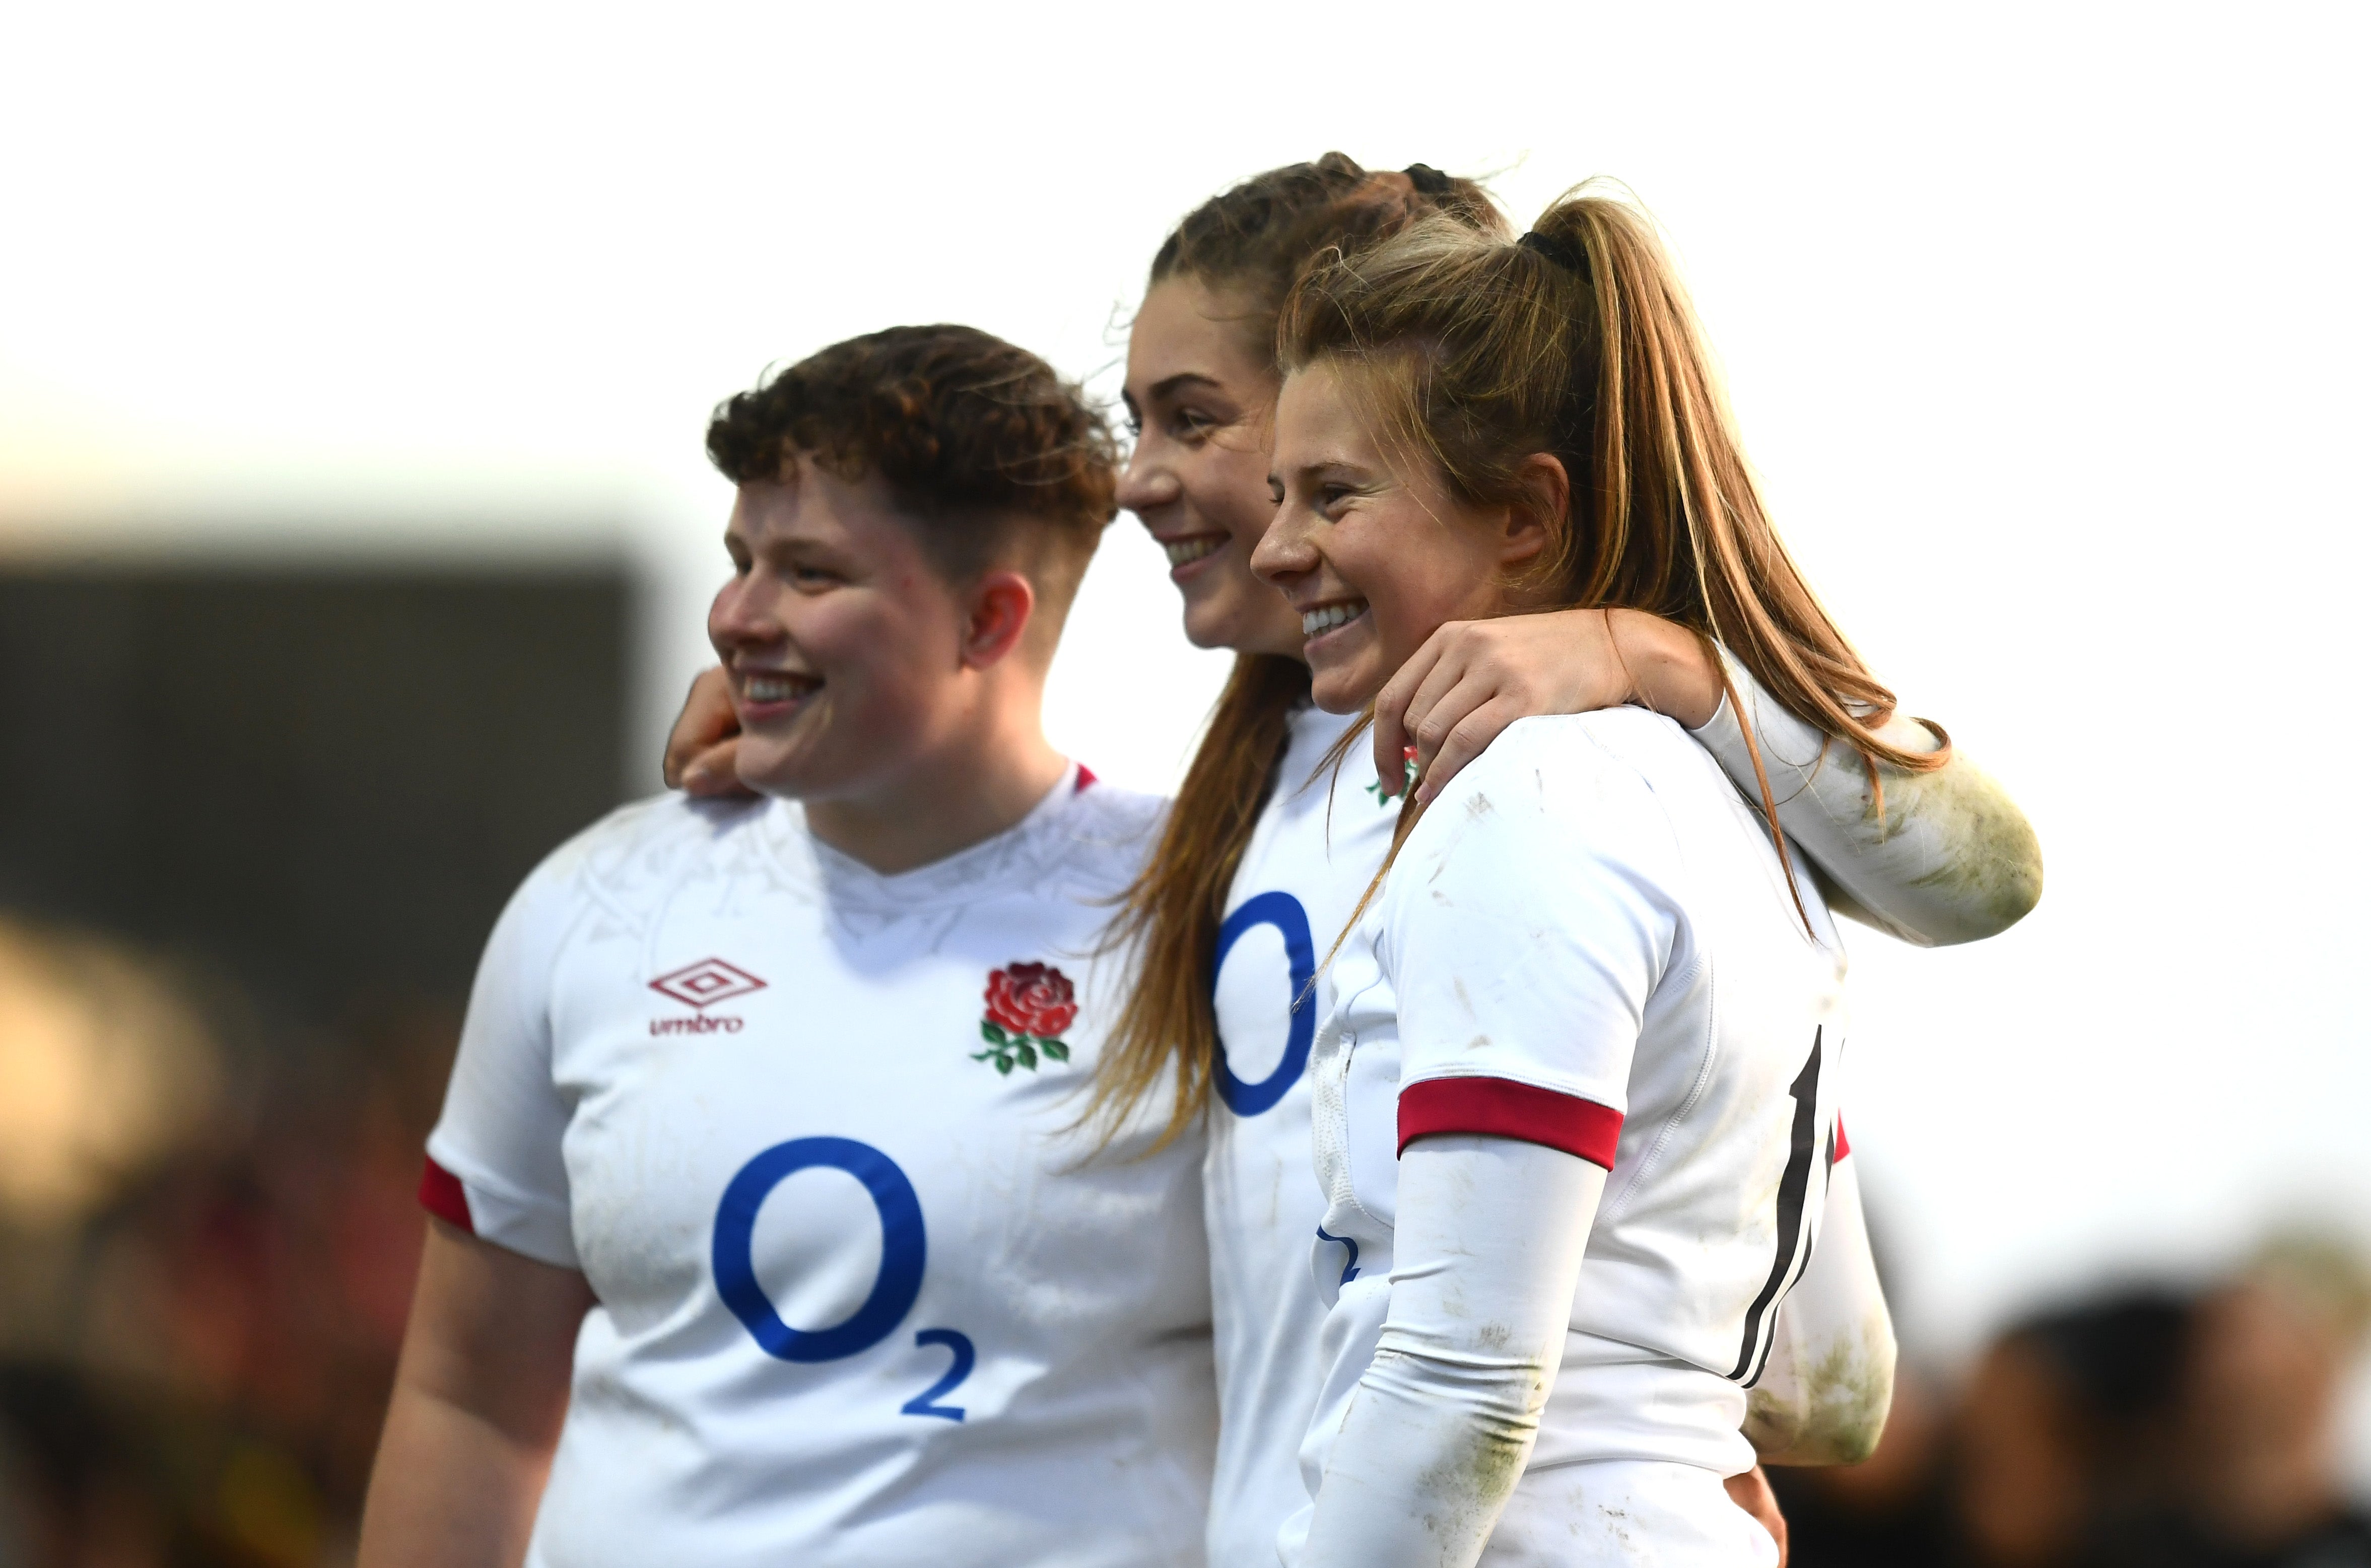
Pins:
x,y
1086,776
1843,1144
1503,1108
441,1194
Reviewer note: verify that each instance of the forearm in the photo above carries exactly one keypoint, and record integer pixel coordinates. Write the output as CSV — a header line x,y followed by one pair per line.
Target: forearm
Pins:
x,y
449,1488
1823,1395
1952,859
1487,1246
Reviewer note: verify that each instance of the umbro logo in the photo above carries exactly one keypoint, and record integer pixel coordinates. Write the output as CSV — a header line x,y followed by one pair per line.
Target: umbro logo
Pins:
x,y
705,984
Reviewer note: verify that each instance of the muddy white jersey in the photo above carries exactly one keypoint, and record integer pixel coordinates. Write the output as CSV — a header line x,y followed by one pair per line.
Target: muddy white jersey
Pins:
x,y
862,1299
1590,942
1321,837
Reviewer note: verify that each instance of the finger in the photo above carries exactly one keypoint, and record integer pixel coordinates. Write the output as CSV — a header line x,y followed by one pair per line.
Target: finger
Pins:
x,y
1433,707
1469,739
1431,719
707,718
715,774
1391,737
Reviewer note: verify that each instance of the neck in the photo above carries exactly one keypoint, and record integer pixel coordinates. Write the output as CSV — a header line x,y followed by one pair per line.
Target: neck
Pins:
x,y
976,781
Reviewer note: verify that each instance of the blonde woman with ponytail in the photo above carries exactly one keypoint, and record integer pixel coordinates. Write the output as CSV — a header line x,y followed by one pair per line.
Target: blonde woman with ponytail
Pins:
x,y
1575,1089
1272,839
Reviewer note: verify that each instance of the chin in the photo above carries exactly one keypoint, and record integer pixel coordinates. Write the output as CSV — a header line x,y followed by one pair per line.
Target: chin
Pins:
x,y
1206,626
779,771
1341,691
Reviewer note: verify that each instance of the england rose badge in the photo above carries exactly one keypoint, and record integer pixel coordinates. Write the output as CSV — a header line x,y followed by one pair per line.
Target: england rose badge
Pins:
x,y
1029,1005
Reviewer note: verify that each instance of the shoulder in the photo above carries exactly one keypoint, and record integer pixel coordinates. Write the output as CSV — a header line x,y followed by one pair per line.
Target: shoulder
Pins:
x,y
1106,814
1575,764
1554,793
1100,841
650,842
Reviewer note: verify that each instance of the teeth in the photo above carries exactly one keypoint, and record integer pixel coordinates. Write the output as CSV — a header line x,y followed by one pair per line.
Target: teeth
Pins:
x,y
1182,551
1325,617
775,688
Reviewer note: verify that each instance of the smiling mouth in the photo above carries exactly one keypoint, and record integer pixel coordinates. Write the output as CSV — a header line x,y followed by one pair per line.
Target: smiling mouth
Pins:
x,y
1185,551
1325,617
767,687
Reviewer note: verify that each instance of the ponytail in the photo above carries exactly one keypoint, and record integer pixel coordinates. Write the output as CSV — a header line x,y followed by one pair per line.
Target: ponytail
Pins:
x,y
1577,341
1669,469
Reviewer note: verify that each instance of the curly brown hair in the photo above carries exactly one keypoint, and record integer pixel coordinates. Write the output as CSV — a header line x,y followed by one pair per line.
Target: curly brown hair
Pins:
x,y
991,456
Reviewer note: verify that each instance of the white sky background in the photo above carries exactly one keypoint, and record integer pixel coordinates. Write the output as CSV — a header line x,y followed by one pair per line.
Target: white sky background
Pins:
x,y
2045,326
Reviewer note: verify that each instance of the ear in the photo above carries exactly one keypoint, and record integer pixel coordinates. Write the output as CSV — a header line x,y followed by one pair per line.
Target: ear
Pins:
x,y
1539,515
997,615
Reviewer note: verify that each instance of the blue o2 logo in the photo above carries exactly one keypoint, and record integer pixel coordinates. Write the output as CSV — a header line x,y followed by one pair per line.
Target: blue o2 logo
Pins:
x,y
904,1250
1282,911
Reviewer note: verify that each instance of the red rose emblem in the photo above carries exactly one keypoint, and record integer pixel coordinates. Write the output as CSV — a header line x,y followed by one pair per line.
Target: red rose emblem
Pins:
x,y
1029,1006
1031,998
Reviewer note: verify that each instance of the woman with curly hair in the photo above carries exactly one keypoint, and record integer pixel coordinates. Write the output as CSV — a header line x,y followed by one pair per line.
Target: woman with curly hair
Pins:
x,y
755,1238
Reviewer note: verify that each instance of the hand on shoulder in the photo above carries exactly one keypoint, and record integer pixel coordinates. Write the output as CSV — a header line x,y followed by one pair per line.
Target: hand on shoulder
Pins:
x,y
1472,679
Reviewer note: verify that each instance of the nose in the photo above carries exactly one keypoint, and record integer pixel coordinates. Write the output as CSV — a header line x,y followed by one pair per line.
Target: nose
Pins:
x,y
1147,482
1288,550
739,619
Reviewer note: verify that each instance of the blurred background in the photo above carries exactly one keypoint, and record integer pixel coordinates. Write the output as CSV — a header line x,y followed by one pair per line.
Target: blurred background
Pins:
x,y
355,538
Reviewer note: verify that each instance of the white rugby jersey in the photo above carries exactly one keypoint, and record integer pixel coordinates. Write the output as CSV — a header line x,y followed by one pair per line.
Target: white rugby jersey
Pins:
x,y
860,1300
1319,840
1590,942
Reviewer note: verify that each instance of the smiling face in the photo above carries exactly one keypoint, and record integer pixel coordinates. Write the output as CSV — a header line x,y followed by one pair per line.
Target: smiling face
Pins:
x,y
844,644
1373,557
1199,397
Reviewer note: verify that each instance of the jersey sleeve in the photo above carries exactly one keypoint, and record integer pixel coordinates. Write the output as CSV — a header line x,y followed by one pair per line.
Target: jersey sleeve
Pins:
x,y
1528,920
1953,861
495,1164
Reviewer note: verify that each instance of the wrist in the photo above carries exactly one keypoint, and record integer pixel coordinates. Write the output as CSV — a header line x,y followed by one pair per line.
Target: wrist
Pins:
x,y
1669,670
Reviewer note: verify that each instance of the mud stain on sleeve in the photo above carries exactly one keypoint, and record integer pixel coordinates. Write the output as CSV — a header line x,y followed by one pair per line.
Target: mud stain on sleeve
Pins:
x,y
1989,856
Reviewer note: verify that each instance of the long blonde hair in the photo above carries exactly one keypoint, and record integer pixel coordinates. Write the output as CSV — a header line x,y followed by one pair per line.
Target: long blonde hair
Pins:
x,y
1473,353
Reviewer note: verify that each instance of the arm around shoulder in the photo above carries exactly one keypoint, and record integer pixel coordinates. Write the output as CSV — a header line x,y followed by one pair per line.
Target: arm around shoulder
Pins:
x,y
1952,859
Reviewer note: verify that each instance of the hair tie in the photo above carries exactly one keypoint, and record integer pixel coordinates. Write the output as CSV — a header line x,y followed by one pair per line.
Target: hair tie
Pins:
x,y
1428,180
1562,249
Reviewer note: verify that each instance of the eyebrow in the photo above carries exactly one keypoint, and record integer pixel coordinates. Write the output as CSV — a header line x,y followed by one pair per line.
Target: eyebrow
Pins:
x,y
1167,385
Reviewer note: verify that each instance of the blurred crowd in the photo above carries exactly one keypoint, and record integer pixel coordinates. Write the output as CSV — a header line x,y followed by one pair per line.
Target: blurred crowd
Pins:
x,y
2146,1427
200,1296
208,1233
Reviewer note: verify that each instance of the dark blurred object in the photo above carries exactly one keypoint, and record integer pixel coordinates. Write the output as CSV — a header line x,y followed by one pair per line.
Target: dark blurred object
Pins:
x,y
95,1473
2255,1482
2060,1429
253,830
326,783
2147,1428
2068,1428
